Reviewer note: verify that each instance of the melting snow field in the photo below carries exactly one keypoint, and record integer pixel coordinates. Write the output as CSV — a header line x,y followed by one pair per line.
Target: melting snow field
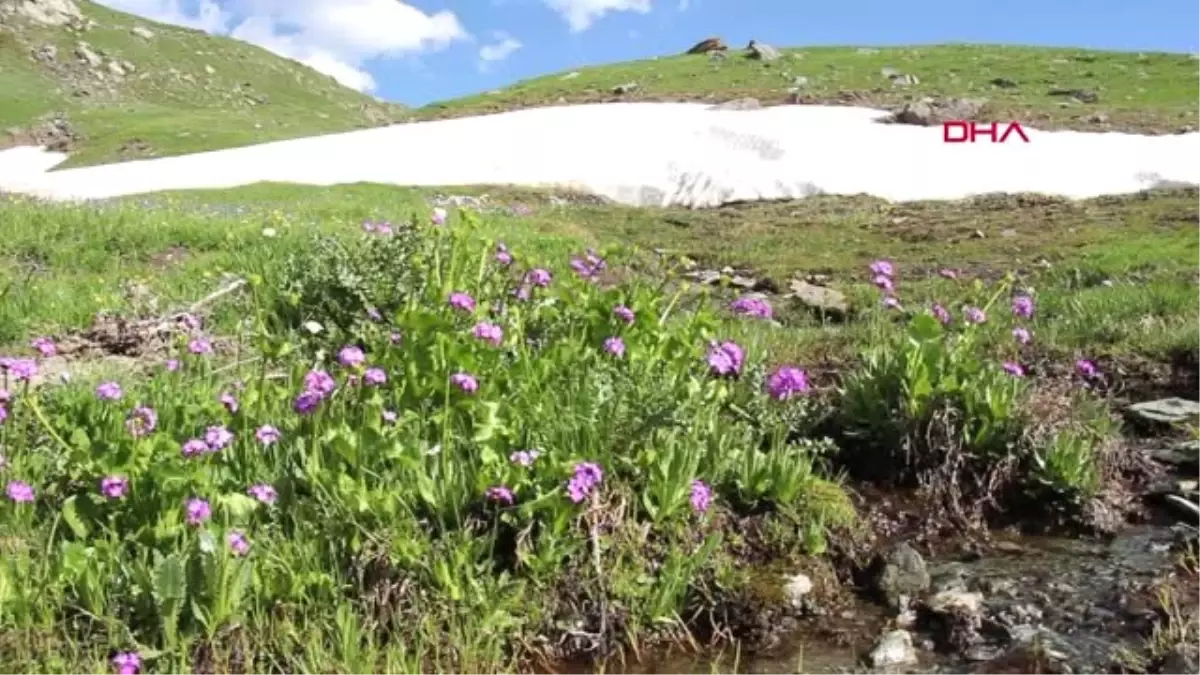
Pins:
x,y
655,154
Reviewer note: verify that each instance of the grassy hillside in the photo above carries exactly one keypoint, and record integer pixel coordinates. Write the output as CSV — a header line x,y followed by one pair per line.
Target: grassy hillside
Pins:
x,y
1148,93
169,91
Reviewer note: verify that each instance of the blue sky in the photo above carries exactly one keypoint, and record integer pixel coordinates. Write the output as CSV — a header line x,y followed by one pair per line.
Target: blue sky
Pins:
x,y
418,51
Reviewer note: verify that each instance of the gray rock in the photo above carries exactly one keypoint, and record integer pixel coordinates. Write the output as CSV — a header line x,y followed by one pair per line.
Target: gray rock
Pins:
x,y
796,588
1185,455
85,53
1097,118
893,649
1167,410
946,602
739,104
904,80
799,82
761,51
1081,95
626,88
143,32
901,576
929,111
1003,83
1186,508
818,298
46,12
116,69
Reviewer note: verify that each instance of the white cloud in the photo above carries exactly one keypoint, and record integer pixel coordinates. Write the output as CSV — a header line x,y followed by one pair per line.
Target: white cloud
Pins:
x,y
504,47
335,37
580,14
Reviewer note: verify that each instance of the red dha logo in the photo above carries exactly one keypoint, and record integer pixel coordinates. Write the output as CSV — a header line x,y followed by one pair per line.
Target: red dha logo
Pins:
x,y
967,132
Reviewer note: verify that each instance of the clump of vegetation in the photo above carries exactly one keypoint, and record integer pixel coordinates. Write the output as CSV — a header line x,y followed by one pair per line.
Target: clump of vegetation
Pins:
x,y
431,433
932,406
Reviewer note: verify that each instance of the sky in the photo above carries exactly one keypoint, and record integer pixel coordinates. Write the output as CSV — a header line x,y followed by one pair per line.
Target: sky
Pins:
x,y
419,51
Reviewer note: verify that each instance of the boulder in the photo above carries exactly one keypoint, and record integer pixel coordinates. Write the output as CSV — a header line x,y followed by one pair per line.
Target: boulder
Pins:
x,y
930,111
893,649
708,45
761,51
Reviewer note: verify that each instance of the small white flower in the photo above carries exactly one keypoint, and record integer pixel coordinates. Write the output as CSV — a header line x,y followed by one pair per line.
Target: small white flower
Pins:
x,y
313,327
269,232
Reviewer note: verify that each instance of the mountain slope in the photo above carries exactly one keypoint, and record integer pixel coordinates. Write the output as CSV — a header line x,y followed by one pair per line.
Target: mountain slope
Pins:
x,y
1145,93
130,88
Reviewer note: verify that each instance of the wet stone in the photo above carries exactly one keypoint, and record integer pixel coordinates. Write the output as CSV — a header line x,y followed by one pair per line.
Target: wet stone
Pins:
x,y
1167,410
893,649
901,576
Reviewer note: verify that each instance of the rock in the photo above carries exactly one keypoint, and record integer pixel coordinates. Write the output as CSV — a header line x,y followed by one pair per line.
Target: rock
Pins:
x,y
709,45
1182,658
900,575
893,649
888,72
1081,95
796,588
717,56
85,53
1186,456
946,602
819,299
116,69
142,32
1097,118
46,12
929,111
628,87
1184,507
1167,410
761,51
1003,83
571,75
47,53
904,80
799,82
739,104
210,70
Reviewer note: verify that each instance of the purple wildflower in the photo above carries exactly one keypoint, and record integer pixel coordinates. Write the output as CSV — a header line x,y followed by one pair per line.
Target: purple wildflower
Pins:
x,y
1014,369
3,414
263,493
615,346
193,447
171,365
239,545
538,277
501,495
1022,306
396,337
23,370
1087,368
892,302
374,315
701,496
44,346
200,346
384,229
229,401
20,491
438,217
975,315
1022,335
351,356
586,477
523,292
523,458
190,321
488,332
127,663
389,416
465,382
753,307
307,402
374,377
141,421
108,391
320,383
948,273
725,358
624,313
884,283
940,313
786,382
218,438
883,267
503,256
267,435
197,511
462,301
114,487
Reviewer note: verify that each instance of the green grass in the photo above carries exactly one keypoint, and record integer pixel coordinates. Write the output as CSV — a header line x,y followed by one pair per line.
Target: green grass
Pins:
x,y
172,104
1151,92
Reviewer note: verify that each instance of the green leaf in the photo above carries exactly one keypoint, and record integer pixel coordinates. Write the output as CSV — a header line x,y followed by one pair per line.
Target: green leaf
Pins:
x,y
238,505
70,516
170,582
79,439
